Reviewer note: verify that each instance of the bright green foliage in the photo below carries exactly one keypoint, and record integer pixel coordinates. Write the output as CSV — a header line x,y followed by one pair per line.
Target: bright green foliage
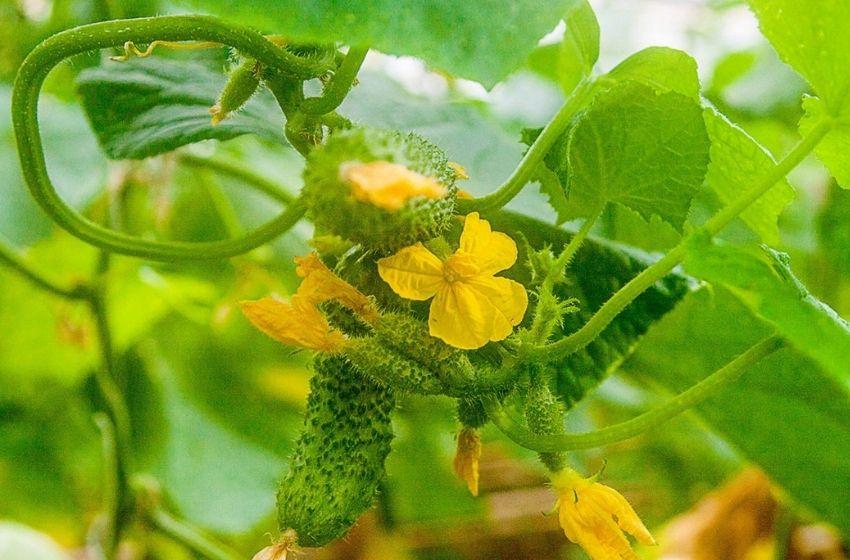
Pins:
x,y
834,230
833,149
738,160
813,37
763,281
645,150
786,414
339,459
662,68
333,208
483,41
140,108
572,59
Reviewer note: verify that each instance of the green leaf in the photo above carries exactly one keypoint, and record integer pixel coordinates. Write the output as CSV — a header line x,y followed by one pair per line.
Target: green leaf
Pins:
x,y
785,414
598,270
833,226
834,149
763,281
569,61
737,161
813,37
144,107
645,150
662,68
483,41
551,187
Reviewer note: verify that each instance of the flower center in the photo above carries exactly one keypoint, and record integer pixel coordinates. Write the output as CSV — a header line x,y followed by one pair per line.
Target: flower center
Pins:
x,y
460,266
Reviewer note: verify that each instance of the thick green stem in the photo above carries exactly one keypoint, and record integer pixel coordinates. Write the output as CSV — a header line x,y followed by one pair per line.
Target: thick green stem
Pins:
x,y
192,537
534,156
339,86
57,48
640,424
108,537
640,283
243,174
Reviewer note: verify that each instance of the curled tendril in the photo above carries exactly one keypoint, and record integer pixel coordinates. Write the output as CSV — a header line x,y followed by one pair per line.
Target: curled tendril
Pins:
x,y
131,50
165,30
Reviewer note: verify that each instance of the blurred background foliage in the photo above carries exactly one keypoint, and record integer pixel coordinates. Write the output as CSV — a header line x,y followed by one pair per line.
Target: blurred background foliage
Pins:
x,y
216,406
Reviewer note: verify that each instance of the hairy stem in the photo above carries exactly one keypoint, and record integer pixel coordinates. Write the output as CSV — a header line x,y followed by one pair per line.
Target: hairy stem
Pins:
x,y
339,86
649,276
566,256
535,154
640,424
190,536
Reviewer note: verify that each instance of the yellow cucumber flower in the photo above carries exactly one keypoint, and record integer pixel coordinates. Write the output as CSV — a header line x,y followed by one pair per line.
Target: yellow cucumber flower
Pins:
x,y
299,322
389,185
467,457
595,516
471,306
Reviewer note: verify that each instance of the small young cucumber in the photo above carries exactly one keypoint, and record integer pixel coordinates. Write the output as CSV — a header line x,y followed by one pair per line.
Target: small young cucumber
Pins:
x,y
243,82
339,459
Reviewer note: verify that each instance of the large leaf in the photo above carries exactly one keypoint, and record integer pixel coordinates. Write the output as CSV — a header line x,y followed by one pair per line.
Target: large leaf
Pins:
x,y
483,41
645,150
785,414
737,162
834,149
662,68
813,37
763,281
598,270
144,107
572,59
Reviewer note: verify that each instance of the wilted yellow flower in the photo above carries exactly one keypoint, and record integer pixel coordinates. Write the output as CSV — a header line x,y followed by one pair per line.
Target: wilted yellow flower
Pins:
x,y
466,458
297,323
389,185
471,306
595,516
320,284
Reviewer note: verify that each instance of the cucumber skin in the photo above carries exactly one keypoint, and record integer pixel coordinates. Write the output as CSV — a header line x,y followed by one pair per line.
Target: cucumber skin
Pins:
x,y
338,461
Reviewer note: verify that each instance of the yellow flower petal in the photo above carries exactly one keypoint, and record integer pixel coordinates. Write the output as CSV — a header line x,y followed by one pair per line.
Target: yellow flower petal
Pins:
x,y
464,318
413,273
507,296
460,171
298,323
467,457
594,516
494,251
389,185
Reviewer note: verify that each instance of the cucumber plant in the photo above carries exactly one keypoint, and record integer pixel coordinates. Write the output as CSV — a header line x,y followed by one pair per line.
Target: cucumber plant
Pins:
x,y
417,287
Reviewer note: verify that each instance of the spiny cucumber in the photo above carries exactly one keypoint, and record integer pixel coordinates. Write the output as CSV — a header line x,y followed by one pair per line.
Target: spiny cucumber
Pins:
x,y
339,459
